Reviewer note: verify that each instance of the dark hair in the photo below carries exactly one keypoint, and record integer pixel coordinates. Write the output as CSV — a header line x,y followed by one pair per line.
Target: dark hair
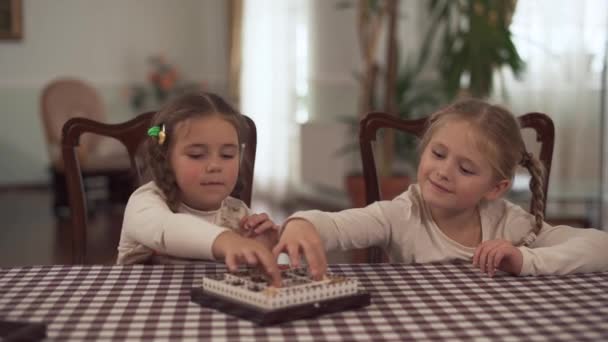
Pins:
x,y
500,140
157,156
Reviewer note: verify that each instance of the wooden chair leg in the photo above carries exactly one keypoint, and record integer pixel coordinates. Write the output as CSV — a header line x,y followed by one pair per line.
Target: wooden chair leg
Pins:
x,y
60,196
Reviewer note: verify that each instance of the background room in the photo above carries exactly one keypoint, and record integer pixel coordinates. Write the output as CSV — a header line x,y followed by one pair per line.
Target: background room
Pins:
x,y
298,69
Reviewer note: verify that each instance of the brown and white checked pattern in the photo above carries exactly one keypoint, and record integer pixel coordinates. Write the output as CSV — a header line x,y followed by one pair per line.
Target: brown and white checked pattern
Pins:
x,y
409,302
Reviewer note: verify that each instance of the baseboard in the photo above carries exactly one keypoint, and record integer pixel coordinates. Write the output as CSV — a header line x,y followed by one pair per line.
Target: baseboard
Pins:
x,y
25,187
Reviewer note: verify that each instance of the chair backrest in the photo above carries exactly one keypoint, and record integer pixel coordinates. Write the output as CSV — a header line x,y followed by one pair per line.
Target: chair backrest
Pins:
x,y
373,122
63,99
131,134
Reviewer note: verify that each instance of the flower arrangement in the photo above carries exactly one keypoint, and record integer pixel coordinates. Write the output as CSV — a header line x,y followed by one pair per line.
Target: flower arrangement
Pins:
x,y
164,82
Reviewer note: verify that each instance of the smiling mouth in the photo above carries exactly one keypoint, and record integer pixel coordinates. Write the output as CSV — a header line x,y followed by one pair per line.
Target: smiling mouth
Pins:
x,y
439,187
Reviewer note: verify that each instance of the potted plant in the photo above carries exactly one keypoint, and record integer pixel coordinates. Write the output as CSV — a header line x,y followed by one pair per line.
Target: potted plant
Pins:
x,y
476,42
404,94
415,98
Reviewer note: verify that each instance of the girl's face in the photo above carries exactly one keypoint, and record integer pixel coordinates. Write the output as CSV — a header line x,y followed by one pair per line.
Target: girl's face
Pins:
x,y
454,176
205,159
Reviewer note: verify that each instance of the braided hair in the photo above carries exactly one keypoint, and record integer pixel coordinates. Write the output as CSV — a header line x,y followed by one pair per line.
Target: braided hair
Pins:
x,y
499,138
157,154
536,169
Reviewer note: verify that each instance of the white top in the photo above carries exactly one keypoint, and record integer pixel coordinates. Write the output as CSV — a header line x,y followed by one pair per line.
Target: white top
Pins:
x,y
405,229
150,228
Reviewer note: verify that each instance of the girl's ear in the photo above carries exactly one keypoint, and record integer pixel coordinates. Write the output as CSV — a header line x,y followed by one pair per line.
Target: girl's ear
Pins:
x,y
498,189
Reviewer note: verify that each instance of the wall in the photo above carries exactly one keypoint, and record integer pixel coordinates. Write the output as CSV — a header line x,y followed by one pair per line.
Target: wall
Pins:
x,y
105,43
332,84
604,149
335,56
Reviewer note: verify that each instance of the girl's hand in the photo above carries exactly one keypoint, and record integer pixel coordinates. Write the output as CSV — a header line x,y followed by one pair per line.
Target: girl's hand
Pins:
x,y
301,236
261,228
498,254
257,224
236,250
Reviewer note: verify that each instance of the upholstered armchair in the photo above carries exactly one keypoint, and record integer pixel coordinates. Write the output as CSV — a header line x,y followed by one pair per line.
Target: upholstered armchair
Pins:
x,y
104,161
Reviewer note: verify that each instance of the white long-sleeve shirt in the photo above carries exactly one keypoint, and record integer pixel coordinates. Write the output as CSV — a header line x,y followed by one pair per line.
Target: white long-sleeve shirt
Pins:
x,y
405,229
150,228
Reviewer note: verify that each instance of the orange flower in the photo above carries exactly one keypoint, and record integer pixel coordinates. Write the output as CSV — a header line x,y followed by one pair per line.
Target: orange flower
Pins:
x,y
153,77
172,74
163,82
166,83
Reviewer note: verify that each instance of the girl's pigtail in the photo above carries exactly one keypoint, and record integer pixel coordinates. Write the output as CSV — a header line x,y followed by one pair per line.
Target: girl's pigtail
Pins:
x,y
158,153
535,168
170,188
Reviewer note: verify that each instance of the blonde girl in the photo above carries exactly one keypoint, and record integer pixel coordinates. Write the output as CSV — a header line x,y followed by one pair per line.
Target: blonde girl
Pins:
x,y
469,155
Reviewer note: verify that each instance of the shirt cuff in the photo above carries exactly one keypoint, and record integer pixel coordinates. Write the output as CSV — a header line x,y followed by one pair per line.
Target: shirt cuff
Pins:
x,y
526,266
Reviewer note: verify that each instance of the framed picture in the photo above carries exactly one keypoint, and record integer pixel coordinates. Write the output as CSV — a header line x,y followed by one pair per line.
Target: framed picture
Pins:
x,y
11,24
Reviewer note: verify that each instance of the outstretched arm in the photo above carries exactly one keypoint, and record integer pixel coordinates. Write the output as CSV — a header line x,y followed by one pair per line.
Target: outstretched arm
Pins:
x,y
148,221
557,250
354,228
563,249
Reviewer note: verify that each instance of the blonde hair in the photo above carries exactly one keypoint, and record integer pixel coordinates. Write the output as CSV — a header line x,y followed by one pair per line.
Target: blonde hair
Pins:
x,y
157,156
499,138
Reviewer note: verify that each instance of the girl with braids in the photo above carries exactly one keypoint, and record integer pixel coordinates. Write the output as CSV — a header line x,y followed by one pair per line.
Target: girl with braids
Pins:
x,y
469,155
193,156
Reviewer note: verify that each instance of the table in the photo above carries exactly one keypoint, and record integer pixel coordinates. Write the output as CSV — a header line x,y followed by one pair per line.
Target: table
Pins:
x,y
409,302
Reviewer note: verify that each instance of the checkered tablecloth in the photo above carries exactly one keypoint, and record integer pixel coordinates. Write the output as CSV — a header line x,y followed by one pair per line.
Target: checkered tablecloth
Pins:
x,y
409,302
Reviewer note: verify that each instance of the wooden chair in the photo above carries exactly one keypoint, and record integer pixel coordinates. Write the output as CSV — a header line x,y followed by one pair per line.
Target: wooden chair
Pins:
x,y
131,134
373,122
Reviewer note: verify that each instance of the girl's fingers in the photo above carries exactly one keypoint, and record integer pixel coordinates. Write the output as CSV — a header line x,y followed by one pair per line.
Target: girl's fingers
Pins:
x,y
481,259
231,262
490,259
264,226
478,252
255,219
316,261
270,266
485,248
256,257
250,258
497,259
247,222
293,250
278,249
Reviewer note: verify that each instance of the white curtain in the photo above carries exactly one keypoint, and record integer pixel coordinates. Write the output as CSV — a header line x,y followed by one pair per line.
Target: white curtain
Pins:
x,y
562,43
268,88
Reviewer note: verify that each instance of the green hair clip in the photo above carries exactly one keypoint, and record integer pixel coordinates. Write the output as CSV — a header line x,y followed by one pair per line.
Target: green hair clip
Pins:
x,y
159,132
